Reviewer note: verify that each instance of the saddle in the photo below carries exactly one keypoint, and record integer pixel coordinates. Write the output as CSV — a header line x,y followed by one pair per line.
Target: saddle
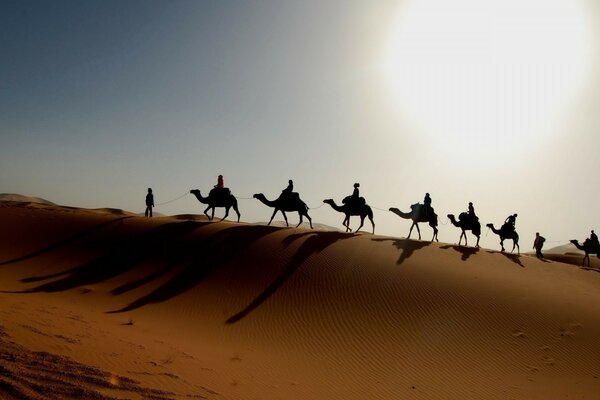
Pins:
x,y
360,202
422,210
289,196
467,218
219,194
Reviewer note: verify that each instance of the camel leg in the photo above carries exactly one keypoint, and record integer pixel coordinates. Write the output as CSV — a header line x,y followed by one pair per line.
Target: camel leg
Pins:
x,y
477,245
373,224
362,221
502,245
206,213
299,222
237,212
410,231
272,216
516,244
346,223
418,231
460,238
285,217
435,232
226,213
309,220
212,214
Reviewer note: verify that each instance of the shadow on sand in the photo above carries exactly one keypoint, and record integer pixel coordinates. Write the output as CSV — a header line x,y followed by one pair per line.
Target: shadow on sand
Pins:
x,y
512,257
465,252
65,241
316,242
406,246
189,261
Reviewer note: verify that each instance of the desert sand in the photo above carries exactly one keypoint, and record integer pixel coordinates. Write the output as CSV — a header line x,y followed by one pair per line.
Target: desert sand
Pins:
x,y
107,304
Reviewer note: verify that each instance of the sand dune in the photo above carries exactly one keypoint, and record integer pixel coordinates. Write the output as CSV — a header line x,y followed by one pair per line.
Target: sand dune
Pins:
x,y
179,307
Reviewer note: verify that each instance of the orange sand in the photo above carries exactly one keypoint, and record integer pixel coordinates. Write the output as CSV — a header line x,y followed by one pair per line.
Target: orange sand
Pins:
x,y
105,304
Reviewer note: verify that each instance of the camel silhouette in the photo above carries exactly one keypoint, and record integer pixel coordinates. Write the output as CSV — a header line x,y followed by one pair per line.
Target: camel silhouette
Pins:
x,y
588,247
217,198
466,223
417,215
506,233
362,210
290,202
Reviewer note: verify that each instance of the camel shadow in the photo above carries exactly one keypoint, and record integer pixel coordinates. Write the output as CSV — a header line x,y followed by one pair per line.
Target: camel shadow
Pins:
x,y
163,243
512,257
465,252
201,260
315,243
406,246
64,242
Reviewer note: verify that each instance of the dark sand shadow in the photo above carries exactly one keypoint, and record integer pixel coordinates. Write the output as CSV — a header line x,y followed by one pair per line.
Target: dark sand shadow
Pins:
x,y
202,259
465,252
406,246
512,257
163,243
315,243
65,241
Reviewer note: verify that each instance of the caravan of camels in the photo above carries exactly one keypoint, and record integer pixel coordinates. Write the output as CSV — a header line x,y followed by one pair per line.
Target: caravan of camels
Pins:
x,y
355,205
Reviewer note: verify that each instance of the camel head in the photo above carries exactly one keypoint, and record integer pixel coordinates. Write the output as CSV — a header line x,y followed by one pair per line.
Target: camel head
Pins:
x,y
195,191
575,242
394,209
491,226
328,201
450,217
259,196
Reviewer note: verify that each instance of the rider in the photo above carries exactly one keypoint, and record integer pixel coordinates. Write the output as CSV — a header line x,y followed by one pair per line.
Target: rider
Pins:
x,y
594,238
427,204
288,190
355,192
471,212
510,221
220,183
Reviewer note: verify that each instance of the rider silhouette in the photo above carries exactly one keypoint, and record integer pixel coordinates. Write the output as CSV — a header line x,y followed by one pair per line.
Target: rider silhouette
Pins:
x,y
220,183
510,221
427,204
355,192
471,212
289,188
594,238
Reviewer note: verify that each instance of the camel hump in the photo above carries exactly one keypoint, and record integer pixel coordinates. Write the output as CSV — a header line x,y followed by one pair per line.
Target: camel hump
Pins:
x,y
219,193
289,196
463,216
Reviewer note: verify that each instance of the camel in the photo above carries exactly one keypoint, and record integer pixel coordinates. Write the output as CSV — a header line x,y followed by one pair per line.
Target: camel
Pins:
x,y
362,210
588,247
217,198
506,233
466,223
286,203
417,215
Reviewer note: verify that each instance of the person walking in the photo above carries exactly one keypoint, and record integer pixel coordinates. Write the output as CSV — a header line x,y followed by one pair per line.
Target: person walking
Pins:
x,y
149,203
538,243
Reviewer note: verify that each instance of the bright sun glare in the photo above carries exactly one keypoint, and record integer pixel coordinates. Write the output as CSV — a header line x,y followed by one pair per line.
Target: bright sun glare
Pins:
x,y
476,77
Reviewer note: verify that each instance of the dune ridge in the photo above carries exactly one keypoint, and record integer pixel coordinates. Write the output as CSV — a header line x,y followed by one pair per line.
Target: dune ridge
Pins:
x,y
189,307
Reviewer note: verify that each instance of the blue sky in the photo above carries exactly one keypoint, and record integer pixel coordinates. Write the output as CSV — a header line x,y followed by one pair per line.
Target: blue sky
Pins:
x,y
100,100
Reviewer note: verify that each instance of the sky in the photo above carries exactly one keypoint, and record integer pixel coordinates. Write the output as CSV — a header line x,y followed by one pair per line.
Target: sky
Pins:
x,y
489,101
